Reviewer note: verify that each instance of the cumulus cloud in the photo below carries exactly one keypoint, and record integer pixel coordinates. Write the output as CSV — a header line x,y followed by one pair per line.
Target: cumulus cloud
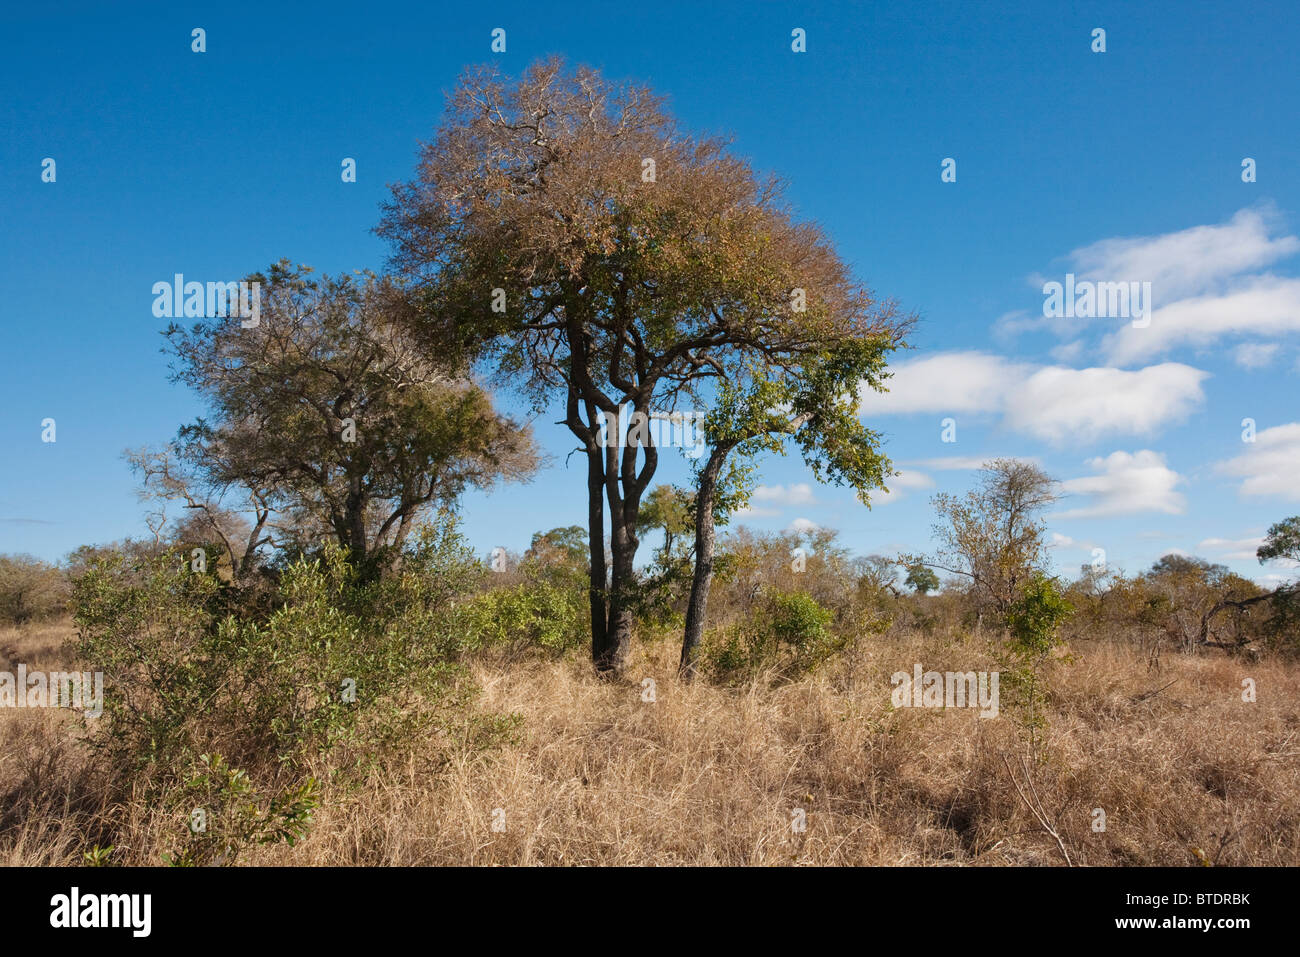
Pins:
x,y
767,501
802,525
1260,306
1188,262
1270,465
1053,403
1126,483
1059,404
951,382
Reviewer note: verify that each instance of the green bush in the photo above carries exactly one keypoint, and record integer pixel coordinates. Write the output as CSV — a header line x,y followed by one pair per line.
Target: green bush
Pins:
x,y
30,590
531,615
788,633
1033,622
238,714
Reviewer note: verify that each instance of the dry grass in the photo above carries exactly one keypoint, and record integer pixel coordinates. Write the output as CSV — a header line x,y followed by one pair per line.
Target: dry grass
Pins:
x,y
705,775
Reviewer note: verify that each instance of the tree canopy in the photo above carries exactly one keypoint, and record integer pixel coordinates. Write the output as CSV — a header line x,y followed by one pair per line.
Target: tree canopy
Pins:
x,y
328,419
571,234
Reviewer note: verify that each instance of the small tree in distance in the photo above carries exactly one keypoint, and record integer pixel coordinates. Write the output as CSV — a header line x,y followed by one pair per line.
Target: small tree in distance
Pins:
x,y
921,580
994,536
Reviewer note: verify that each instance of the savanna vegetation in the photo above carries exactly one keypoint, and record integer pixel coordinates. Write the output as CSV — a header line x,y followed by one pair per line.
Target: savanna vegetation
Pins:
x,y
306,662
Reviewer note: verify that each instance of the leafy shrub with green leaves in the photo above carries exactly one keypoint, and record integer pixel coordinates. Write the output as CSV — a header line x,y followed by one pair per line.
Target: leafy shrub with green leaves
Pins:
x,y
240,713
30,589
226,815
1033,623
788,633
532,614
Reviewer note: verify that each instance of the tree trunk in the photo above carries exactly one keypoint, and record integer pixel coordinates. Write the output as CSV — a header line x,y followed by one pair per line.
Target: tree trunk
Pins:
x,y
621,597
596,594
623,544
624,486
705,542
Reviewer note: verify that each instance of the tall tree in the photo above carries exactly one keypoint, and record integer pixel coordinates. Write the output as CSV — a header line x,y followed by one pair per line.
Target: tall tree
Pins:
x,y
1282,541
327,415
922,580
597,255
814,404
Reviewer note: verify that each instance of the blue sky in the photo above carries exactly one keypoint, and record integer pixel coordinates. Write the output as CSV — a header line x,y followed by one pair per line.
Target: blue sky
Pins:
x,y
1115,166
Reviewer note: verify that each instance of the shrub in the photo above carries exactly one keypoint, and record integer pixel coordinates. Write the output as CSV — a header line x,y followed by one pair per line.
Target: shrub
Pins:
x,y
788,633
233,717
533,614
30,589
1033,621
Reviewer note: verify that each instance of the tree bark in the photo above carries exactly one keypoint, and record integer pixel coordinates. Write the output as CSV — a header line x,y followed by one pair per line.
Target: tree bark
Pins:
x,y
624,486
705,543
596,591
622,546
619,633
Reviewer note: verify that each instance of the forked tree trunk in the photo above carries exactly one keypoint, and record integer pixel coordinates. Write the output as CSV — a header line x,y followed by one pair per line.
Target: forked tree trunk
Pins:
x,y
623,544
624,486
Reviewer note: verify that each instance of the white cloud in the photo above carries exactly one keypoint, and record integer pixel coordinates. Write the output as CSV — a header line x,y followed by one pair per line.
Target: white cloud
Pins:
x,y
1059,404
1126,483
1191,261
1273,581
948,382
750,511
1009,326
1255,355
1238,548
1066,543
802,525
909,479
1068,351
1054,403
798,493
767,501
905,480
1270,466
1208,283
1261,306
